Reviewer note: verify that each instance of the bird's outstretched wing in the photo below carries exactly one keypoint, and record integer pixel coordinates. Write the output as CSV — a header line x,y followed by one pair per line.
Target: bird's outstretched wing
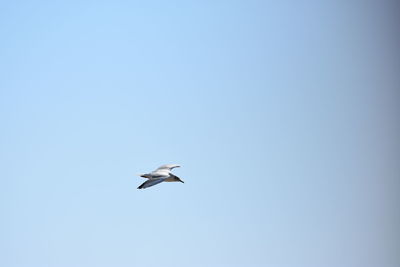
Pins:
x,y
167,167
150,182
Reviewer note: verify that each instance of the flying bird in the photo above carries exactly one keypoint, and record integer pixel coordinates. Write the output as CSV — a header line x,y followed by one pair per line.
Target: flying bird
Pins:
x,y
161,174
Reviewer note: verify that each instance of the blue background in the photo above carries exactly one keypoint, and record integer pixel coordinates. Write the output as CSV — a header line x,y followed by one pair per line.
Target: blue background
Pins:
x,y
283,115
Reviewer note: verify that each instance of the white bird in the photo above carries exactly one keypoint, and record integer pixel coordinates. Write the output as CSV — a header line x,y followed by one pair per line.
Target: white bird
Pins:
x,y
161,174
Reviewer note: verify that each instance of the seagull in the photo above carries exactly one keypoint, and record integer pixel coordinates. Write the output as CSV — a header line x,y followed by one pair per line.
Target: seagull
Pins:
x,y
161,174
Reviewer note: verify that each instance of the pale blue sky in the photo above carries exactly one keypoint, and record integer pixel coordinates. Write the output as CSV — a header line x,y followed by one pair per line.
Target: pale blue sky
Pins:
x,y
282,114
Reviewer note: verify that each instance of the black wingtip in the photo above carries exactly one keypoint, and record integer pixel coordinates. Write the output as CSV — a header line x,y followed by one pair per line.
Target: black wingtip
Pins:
x,y
142,185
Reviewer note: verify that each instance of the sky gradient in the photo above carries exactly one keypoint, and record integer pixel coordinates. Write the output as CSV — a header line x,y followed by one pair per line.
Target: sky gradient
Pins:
x,y
283,115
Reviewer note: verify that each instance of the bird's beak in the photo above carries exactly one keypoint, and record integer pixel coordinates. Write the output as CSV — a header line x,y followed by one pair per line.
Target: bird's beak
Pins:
x,y
181,181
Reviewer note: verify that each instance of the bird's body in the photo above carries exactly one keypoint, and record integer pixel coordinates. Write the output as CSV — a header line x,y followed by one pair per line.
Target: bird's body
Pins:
x,y
161,174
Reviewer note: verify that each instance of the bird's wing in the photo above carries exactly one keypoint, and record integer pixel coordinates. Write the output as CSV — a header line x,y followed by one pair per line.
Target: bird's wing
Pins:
x,y
167,167
150,182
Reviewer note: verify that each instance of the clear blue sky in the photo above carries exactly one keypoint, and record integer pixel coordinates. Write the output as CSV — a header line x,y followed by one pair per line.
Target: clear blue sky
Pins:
x,y
283,115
